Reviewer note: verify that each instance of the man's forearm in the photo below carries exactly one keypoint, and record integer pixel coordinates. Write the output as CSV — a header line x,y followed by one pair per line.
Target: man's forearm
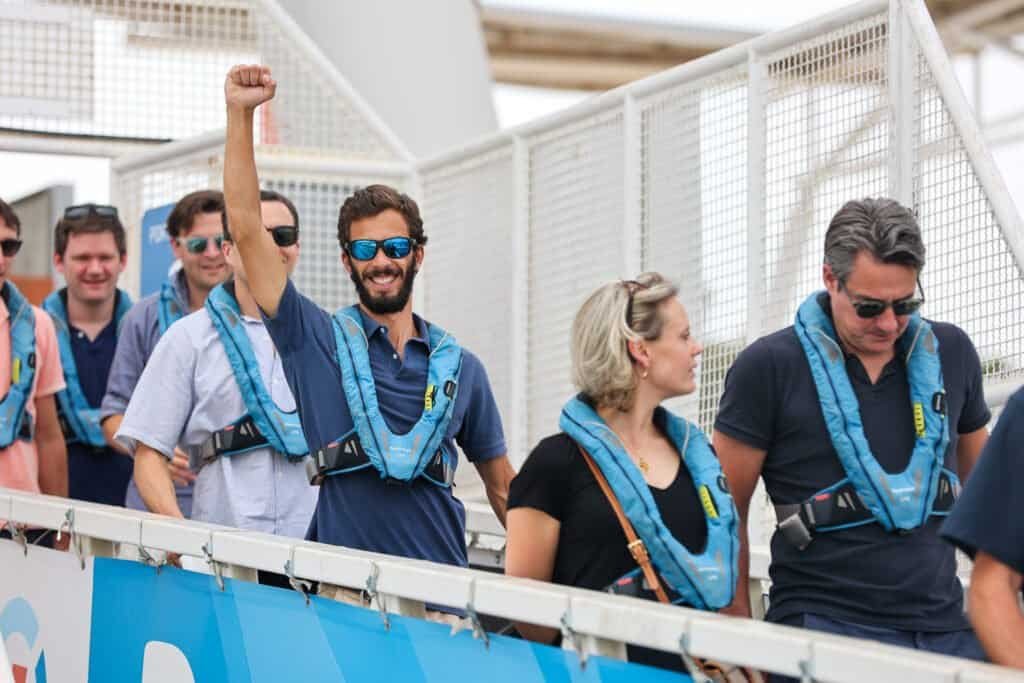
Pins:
x,y
110,426
740,606
53,465
995,611
241,182
153,479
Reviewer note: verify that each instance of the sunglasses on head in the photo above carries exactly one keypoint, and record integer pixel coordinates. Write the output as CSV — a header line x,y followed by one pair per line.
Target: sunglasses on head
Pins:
x,y
632,286
394,247
10,246
198,245
79,211
872,308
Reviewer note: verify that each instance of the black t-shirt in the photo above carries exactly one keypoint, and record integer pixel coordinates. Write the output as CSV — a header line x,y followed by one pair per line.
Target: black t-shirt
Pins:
x,y
862,574
592,549
987,516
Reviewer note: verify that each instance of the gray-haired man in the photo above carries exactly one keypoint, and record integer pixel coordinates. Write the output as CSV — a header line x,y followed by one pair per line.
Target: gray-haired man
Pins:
x,y
860,417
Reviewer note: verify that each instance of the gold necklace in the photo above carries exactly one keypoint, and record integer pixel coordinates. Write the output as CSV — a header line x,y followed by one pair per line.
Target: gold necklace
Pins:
x,y
643,464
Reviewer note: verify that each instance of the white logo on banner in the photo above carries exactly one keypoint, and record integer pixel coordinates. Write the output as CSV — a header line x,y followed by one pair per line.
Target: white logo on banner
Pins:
x,y
165,663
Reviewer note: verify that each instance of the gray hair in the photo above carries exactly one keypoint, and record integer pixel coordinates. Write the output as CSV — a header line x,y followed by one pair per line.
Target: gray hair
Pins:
x,y
602,367
884,228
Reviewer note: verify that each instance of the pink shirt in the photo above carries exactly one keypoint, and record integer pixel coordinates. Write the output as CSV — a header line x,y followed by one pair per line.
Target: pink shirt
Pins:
x,y
19,462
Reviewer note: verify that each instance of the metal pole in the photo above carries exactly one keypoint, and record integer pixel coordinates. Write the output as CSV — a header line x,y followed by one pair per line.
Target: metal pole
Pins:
x,y
520,313
902,97
633,237
756,172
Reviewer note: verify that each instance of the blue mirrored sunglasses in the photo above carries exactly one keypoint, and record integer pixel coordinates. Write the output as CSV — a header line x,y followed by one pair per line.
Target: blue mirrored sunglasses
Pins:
x,y
394,247
197,245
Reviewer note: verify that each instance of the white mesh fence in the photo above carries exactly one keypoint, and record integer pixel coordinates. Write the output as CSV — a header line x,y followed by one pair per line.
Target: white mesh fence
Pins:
x,y
316,192
154,71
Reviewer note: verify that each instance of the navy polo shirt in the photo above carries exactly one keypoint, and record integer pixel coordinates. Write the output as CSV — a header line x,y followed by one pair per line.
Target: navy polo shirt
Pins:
x,y
360,510
863,574
987,516
99,475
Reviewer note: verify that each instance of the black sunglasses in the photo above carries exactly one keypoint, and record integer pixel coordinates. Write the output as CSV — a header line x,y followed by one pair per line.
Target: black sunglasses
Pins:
x,y
872,308
284,235
10,246
73,213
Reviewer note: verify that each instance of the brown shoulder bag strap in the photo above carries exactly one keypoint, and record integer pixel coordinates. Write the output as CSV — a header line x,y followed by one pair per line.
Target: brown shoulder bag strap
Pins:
x,y
636,546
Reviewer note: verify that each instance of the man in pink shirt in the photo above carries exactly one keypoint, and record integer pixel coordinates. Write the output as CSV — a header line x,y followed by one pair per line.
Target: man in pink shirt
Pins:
x,y
33,457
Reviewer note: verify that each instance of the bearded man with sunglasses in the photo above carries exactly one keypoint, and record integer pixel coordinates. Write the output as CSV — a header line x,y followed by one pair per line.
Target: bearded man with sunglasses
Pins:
x,y
90,252
215,387
33,457
195,232
862,418
383,395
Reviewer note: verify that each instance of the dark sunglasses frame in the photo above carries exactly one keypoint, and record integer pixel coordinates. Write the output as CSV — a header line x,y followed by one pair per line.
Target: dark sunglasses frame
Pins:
x,y
10,247
388,246
284,235
872,308
198,245
79,211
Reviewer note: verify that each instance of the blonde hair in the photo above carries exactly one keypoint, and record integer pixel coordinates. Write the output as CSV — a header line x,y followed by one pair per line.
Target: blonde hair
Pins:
x,y
602,367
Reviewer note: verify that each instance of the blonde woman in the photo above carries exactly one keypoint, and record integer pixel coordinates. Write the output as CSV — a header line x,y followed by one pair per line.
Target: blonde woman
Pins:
x,y
632,348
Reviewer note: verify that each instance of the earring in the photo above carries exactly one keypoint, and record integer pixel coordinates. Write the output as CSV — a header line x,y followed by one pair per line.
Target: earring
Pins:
x,y
643,375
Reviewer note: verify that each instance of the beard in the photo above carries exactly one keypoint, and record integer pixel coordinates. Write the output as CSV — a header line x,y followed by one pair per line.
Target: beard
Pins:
x,y
384,305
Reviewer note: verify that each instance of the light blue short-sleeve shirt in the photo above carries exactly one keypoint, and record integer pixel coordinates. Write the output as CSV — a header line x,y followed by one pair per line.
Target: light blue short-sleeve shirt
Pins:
x,y
186,393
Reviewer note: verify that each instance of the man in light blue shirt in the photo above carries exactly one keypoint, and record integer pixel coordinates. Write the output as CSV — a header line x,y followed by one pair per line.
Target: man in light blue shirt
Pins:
x,y
189,396
194,227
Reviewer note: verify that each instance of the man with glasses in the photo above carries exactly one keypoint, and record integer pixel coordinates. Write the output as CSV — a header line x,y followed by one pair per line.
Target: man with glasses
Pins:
x,y
194,228
861,418
32,453
383,395
215,387
90,252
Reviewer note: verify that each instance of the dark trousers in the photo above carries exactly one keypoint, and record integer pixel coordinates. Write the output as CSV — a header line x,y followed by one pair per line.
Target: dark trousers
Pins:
x,y
961,643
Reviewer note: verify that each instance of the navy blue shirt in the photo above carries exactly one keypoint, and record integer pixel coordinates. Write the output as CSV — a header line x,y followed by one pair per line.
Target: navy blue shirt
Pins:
x,y
99,475
360,510
863,574
987,516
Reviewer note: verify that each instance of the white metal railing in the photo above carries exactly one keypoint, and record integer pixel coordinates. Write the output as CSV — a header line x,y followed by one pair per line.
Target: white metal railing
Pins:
x,y
600,622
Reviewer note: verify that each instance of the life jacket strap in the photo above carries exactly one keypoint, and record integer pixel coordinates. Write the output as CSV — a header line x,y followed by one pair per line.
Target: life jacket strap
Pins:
x,y
839,507
241,436
347,455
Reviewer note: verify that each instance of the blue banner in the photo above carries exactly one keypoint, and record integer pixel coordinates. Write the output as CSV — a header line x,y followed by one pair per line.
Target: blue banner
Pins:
x,y
181,623
157,256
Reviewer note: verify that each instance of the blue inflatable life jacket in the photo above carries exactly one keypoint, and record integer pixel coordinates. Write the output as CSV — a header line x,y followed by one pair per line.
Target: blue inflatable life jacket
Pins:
x,y
369,441
264,423
80,422
169,309
705,580
15,421
901,501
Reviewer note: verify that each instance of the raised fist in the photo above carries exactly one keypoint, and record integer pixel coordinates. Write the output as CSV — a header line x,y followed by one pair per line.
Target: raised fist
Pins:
x,y
248,86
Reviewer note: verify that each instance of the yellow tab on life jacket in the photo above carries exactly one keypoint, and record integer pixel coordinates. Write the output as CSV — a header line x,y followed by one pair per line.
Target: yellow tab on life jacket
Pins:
x,y
707,501
428,398
919,420
15,370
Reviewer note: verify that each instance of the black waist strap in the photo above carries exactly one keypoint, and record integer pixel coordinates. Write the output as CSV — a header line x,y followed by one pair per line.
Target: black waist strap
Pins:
x,y
634,585
241,436
348,456
842,507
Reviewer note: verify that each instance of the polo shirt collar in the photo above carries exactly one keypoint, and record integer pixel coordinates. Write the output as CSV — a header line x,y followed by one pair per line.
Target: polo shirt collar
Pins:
x,y
372,327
